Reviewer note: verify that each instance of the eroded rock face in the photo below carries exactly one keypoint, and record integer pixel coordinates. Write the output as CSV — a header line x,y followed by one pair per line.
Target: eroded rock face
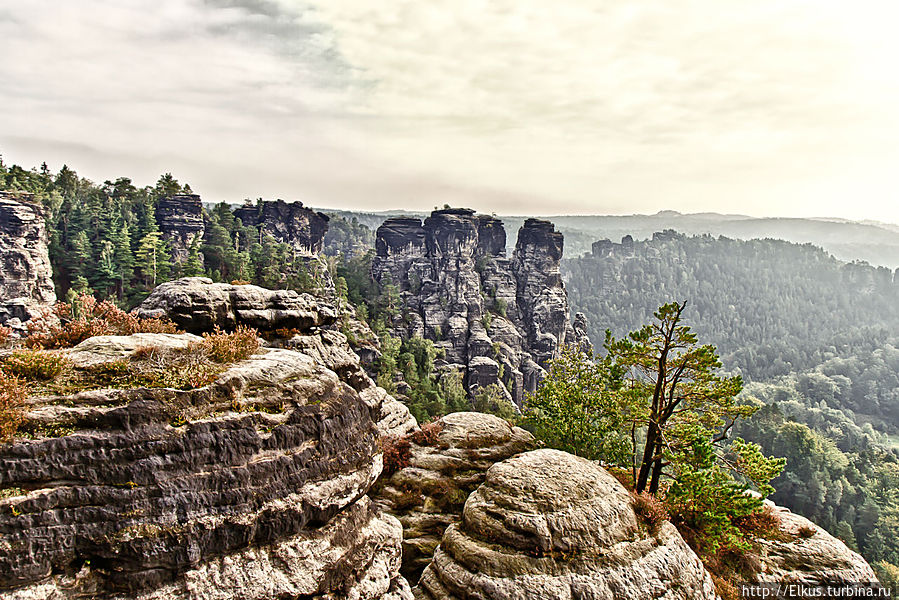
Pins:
x,y
26,284
498,319
428,495
252,487
180,219
292,224
546,524
196,304
811,557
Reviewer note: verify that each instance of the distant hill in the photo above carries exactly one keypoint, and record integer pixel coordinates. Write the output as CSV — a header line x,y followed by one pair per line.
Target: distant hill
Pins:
x,y
871,241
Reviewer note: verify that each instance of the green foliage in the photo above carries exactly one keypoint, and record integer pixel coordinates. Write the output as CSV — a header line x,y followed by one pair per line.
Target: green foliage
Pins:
x,y
491,399
581,407
675,382
660,388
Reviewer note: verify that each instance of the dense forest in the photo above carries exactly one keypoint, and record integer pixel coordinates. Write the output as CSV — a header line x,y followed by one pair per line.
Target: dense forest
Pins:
x,y
816,338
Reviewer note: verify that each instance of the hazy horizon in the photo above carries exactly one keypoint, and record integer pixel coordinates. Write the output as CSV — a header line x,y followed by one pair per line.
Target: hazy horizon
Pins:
x,y
775,109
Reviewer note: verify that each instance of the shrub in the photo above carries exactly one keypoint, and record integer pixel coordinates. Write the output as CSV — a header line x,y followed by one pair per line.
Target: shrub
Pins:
x,y
12,396
240,282
806,532
764,523
428,434
68,325
231,347
397,453
34,364
5,334
650,509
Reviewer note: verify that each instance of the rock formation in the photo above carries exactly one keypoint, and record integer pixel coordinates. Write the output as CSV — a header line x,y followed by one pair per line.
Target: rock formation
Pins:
x,y
498,319
196,304
180,219
546,524
252,487
809,555
427,495
26,283
292,224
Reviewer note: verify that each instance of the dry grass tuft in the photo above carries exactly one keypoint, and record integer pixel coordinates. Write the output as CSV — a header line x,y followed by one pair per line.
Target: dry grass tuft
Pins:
x,y
68,325
223,347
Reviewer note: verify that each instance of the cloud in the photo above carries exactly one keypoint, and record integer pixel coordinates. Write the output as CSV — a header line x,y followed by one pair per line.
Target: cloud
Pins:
x,y
771,107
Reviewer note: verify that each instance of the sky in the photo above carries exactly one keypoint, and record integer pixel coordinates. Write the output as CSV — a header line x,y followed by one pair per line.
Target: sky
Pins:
x,y
767,108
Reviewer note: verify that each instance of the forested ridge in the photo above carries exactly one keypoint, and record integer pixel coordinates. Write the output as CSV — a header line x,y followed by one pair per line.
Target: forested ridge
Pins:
x,y
816,338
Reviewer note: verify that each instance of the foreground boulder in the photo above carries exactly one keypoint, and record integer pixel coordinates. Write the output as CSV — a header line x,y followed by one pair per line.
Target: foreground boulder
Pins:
x,y
808,555
26,284
253,486
546,524
196,304
447,461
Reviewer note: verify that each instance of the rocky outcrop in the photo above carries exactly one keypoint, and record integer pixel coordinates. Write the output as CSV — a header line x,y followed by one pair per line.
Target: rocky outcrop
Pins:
x,y
498,319
251,487
806,554
546,524
196,304
292,224
26,284
427,495
180,219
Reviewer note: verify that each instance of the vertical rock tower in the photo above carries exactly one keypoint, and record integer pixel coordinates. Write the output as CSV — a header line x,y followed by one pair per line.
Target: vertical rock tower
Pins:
x,y
26,281
498,319
180,219
292,224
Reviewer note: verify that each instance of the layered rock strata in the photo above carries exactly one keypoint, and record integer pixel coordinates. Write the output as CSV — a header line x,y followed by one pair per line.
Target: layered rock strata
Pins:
x,y
546,524
427,495
196,304
292,224
252,487
498,319
26,284
180,219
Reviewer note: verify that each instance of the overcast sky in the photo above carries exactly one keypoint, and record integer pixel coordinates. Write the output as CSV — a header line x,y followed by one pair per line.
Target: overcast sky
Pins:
x,y
762,107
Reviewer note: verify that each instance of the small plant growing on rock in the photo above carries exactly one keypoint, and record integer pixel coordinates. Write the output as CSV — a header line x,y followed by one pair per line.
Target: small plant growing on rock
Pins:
x,y
428,434
806,532
12,396
764,523
5,334
231,347
397,453
34,365
650,509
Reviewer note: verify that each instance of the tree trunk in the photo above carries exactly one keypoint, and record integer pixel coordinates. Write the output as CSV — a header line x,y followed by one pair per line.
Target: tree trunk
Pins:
x,y
652,434
656,477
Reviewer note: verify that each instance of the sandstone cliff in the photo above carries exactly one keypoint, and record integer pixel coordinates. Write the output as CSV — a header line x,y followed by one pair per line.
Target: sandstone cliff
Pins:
x,y
26,282
293,224
252,487
180,219
498,319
